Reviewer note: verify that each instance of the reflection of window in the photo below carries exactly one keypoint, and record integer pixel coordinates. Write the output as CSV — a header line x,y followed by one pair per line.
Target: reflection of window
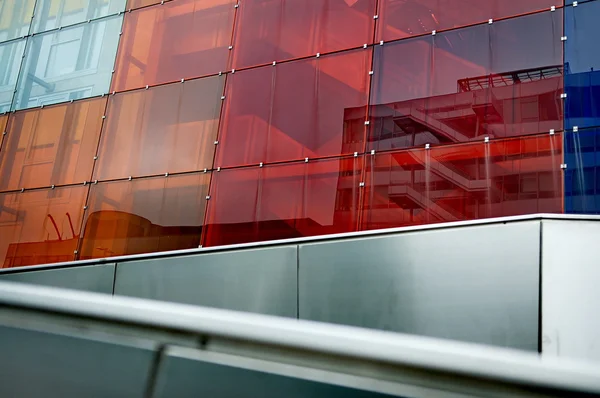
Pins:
x,y
61,60
51,14
70,63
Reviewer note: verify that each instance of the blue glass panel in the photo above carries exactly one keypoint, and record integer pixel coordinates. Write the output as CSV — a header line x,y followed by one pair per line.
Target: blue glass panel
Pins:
x,y
582,66
68,64
582,176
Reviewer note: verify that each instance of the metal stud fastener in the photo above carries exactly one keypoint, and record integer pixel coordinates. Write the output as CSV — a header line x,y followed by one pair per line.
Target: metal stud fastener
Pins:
x,y
355,154
427,146
372,151
166,174
486,139
563,166
216,142
130,178
575,129
305,160
260,164
95,157
490,21
207,197
361,184
551,131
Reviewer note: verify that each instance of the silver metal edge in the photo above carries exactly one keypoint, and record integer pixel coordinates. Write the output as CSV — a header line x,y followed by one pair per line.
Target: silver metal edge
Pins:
x,y
424,353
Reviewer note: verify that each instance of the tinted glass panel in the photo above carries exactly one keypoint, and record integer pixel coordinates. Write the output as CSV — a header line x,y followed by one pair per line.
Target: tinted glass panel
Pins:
x,y
309,108
132,4
276,30
177,40
38,227
499,80
404,18
168,128
51,14
54,145
582,66
144,215
582,176
284,201
463,182
11,55
15,18
68,64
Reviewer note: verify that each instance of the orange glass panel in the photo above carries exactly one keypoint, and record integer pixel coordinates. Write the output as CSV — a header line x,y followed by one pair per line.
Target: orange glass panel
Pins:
x,y
177,40
3,121
287,200
40,226
133,4
404,18
313,107
463,182
169,128
276,30
53,145
144,215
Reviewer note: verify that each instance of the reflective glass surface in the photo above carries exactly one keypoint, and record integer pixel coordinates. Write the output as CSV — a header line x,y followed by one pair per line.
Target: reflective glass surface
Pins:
x,y
308,108
133,4
499,80
41,226
51,14
15,19
11,55
144,215
404,18
284,201
276,30
68,64
582,176
582,66
463,182
51,146
177,40
169,128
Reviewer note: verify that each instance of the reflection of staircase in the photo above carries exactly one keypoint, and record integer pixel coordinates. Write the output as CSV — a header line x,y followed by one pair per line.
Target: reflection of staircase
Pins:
x,y
399,193
448,174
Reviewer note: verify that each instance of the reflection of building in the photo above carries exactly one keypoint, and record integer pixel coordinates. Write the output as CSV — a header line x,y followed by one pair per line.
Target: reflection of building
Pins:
x,y
115,233
219,121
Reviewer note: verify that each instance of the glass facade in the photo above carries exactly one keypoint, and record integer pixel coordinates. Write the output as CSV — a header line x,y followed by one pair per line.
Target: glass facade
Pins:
x,y
136,126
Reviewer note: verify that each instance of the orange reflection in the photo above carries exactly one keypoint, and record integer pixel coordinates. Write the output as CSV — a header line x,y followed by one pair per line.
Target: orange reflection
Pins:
x,y
42,226
54,145
144,216
177,40
169,128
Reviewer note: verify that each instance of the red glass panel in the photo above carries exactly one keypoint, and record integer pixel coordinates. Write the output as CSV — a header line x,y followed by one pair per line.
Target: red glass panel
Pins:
x,y
307,108
462,85
276,30
40,226
53,145
169,128
284,201
144,215
404,18
177,40
463,182
133,4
